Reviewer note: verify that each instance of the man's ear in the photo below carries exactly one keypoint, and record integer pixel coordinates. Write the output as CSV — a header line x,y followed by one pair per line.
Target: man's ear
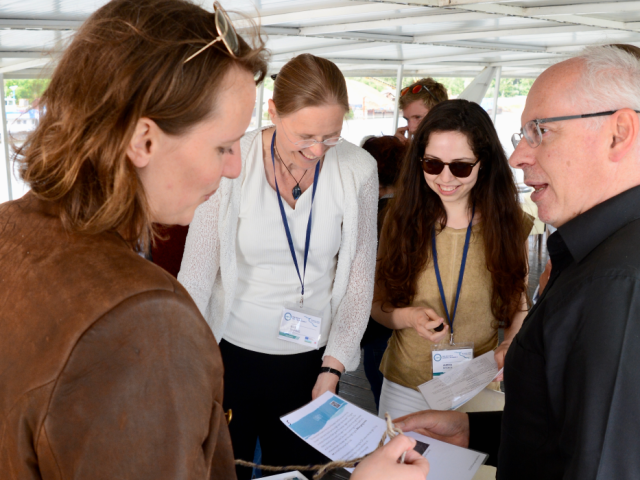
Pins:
x,y
625,126
143,143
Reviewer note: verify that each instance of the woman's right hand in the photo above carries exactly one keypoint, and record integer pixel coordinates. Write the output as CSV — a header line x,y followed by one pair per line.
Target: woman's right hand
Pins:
x,y
423,320
383,463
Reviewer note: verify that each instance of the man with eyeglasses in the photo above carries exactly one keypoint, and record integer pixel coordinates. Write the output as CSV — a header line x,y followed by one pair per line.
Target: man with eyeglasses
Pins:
x,y
572,376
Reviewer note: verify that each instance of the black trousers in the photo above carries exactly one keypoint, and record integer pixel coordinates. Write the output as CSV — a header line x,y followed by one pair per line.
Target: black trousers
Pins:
x,y
260,388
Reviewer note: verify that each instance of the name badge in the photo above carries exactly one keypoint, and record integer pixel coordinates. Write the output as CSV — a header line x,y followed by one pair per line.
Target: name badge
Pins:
x,y
300,325
445,357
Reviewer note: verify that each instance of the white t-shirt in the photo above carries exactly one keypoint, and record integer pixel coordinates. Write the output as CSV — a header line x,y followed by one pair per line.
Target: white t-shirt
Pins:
x,y
267,276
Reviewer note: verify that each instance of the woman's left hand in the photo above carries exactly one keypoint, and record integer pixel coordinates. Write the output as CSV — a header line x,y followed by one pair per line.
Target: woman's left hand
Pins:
x,y
327,381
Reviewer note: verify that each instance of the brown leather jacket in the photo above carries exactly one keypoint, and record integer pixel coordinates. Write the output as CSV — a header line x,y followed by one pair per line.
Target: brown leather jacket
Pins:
x,y
107,369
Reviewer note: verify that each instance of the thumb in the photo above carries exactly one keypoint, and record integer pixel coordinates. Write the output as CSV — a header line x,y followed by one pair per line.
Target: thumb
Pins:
x,y
412,421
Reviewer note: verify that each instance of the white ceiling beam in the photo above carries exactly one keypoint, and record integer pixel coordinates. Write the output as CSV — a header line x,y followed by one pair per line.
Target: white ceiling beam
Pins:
x,y
318,49
513,47
543,61
407,40
394,22
585,8
324,51
24,65
324,12
568,13
370,61
17,54
504,32
28,24
529,13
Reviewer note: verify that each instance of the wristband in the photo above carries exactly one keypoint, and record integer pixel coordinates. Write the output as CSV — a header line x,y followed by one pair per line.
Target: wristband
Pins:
x,y
331,370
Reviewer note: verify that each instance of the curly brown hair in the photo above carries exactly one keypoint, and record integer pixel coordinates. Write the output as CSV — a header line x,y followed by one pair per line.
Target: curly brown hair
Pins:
x,y
416,209
438,90
125,62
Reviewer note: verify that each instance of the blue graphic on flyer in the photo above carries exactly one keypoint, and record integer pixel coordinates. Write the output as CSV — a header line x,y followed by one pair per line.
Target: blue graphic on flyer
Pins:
x,y
316,420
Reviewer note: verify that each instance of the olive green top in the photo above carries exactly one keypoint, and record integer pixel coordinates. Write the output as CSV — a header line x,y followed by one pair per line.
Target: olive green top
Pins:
x,y
407,360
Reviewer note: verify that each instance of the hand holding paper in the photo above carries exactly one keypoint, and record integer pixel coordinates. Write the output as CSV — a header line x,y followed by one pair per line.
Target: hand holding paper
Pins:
x,y
342,431
449,427
456,387
383,463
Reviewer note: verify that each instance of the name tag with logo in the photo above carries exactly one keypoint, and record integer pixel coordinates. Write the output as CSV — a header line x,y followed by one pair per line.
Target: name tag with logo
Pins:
x,y
300,325
446,357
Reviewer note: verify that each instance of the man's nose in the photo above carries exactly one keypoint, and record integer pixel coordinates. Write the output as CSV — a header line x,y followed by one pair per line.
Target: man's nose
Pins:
x,y
522,156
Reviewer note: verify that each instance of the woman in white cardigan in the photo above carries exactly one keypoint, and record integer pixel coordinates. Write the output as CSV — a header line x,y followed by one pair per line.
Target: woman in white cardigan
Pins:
x,y
243,268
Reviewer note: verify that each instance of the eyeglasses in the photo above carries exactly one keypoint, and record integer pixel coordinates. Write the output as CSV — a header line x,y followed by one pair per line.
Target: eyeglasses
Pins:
x,y
533,134
417,88
226,33
329,142
457,169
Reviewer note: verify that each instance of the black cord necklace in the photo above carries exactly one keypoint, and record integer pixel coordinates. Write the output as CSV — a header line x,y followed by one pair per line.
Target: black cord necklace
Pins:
x,y
295,191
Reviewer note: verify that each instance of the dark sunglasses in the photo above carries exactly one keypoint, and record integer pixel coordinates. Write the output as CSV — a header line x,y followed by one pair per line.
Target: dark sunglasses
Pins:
x,y
417,88
457,169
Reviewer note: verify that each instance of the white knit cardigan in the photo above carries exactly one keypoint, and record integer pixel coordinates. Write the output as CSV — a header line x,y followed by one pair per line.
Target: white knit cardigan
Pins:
x,y
209,270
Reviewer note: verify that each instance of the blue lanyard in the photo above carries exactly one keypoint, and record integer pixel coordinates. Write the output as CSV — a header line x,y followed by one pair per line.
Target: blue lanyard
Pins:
x,y
286,223
462,265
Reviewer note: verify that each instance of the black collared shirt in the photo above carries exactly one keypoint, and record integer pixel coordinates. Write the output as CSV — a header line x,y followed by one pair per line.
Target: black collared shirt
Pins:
x,y
572,374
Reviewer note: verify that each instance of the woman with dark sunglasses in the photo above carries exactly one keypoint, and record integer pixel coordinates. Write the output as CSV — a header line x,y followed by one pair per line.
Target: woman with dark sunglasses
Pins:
x,y
452,261
415,102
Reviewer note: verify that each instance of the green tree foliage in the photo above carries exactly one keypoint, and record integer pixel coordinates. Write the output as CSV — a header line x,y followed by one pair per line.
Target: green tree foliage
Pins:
x,y
511,87
29,89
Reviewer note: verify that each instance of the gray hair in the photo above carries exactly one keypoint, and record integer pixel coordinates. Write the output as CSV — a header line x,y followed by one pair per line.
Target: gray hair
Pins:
x,y
611,81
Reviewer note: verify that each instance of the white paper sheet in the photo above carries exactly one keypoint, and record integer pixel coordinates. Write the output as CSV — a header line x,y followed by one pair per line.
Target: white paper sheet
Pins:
x,y
455,388
295,475
342,431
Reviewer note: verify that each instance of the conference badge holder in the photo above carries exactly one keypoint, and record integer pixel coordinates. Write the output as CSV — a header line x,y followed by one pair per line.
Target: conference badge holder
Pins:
x,y
301,325
445,357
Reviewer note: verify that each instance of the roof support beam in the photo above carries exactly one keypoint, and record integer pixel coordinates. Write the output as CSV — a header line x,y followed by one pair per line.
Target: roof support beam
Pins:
x,y
24,65
351,46
328,11
504,32
393,22
530,13
27,24
17,54
570,14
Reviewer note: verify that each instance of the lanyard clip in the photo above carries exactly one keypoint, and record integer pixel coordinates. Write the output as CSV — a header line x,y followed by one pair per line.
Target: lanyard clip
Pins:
x,y
451,341
301,300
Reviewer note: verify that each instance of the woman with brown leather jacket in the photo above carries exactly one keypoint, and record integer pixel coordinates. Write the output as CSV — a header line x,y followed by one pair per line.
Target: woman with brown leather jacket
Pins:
x,y
107,369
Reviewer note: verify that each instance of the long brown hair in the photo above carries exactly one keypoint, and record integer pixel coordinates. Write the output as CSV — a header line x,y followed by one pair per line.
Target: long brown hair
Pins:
x,y
416,209
126,62
309,81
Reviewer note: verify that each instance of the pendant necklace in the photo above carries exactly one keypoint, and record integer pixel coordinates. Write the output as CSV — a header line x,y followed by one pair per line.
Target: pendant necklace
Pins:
x,y
296,191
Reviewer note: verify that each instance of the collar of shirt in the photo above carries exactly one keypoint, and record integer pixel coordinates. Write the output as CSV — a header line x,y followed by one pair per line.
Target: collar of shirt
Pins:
x,y
574,240
585,232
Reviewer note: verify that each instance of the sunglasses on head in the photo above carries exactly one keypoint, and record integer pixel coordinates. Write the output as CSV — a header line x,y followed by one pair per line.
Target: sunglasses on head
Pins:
x,y
226,33
417,88
457,169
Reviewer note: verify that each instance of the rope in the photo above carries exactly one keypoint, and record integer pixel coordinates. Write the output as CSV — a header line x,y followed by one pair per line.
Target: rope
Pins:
x,y
391,431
